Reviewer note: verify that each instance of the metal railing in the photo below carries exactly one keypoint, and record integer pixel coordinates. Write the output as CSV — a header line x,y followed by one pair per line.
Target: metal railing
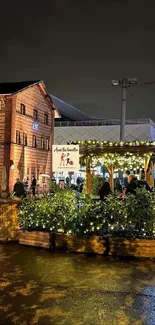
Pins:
x,y
101,122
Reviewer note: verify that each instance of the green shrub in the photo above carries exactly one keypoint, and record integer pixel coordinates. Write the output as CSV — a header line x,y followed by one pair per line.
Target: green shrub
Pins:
x,y
133,216
90,218
140,210
36,214
113,214
65,209
49,213
97,182
53,187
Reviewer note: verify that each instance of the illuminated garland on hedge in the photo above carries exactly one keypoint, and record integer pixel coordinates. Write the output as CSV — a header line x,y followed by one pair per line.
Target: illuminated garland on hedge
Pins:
x,y
111,144
62,213
127,161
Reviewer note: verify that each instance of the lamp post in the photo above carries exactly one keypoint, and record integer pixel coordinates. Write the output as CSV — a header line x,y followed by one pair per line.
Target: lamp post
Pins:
x,y
124,83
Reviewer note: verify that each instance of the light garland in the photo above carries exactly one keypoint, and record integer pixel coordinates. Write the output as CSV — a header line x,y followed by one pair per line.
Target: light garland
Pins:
x,y
111,144
127,161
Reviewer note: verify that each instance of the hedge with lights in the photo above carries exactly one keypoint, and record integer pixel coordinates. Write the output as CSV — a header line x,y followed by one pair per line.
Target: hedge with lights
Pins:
x,y
51,213
134,216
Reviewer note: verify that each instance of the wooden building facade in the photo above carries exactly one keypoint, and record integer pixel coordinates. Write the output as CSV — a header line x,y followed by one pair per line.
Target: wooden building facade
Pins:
x,y
26,132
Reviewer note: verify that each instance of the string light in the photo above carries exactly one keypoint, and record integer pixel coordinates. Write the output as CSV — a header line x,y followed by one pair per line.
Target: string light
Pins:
x,y
127,161
116,143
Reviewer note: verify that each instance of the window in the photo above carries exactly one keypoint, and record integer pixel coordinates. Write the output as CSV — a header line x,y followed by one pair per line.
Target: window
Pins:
x,y
34,141
42,143
47,144
28,171
33,171
44,172
22,109
25,139
46,118
38,173
18,137
35,114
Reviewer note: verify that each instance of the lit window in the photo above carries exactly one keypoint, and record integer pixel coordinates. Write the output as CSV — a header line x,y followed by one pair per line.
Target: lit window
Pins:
x,y
25,139
22,109
42,143
47,144
34,141
35,114
33,171
46,118
38,173
18,137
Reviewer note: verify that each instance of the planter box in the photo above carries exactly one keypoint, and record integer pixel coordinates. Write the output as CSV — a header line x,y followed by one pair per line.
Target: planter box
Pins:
x,y
37,239
112,246
130,247
106,246
81,244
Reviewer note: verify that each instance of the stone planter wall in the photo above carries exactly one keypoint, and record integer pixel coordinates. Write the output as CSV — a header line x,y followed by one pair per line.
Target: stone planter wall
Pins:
x,y
9,227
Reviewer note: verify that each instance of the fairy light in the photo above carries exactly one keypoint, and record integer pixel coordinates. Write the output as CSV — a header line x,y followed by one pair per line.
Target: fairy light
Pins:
x,y
126,161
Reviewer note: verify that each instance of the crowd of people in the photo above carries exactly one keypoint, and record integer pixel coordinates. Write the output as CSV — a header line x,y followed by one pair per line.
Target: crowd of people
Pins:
x,y
132,186
21,189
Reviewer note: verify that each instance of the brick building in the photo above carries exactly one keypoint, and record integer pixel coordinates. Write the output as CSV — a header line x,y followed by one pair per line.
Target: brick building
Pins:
x,y
26,132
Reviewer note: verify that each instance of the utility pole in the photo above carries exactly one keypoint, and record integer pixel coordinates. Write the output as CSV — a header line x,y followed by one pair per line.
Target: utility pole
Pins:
x,y
124,83
123,110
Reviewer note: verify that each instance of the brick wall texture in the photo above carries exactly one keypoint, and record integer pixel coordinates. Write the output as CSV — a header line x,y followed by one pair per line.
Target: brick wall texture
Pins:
x,y
26,159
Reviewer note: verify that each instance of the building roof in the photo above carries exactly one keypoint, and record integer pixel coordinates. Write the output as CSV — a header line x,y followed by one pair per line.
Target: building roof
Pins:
x,y
13,87
68,111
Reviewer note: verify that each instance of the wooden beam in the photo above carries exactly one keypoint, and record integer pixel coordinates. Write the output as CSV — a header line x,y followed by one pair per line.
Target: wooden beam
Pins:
x,y
150,174
88,177
146,165
111,173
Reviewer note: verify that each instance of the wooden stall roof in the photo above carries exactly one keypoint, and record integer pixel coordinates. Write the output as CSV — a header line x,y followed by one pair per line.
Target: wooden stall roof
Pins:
x,y
96,148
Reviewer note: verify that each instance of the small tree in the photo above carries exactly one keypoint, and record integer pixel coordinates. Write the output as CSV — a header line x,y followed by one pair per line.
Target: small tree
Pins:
x,y
53,186
113,214
90,218
97,182
140,210
64,209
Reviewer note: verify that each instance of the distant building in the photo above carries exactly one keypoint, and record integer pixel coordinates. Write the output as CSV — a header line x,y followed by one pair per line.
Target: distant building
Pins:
x,y
26,132
71,125
66,112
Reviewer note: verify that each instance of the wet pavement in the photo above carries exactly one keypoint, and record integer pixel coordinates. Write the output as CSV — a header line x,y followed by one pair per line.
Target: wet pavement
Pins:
x,y
39,287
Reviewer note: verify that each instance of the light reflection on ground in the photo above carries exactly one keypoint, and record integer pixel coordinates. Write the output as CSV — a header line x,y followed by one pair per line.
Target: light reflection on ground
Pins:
x,y
38,287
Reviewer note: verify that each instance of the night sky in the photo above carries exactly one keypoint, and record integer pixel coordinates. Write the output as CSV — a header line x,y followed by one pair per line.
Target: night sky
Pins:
x,y
78,46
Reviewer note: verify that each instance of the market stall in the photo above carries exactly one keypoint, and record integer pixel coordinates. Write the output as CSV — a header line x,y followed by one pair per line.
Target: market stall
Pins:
x,y
130,156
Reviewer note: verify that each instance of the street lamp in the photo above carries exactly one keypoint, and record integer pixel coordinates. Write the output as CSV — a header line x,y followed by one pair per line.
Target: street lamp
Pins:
x,y
124,83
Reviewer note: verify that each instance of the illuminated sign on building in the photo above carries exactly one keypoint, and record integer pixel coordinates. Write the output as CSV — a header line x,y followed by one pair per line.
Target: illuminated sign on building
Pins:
x,y
65,158
35,126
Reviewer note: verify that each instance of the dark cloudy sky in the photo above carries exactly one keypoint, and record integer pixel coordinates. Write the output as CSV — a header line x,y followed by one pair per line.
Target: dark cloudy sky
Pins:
x,y
78,46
